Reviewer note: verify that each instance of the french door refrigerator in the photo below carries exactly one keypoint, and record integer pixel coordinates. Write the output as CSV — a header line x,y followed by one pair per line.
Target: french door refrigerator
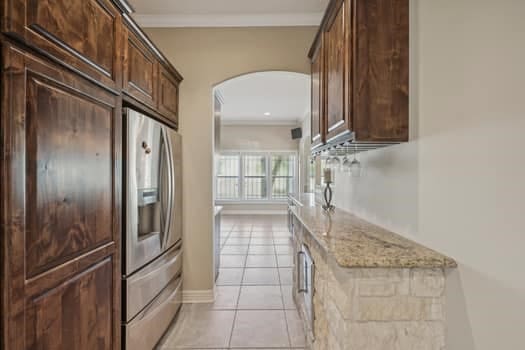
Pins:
x,y
152,235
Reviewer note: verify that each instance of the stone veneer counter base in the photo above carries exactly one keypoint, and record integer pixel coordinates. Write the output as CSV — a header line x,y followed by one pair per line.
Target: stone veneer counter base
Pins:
x,y
354,242
372,289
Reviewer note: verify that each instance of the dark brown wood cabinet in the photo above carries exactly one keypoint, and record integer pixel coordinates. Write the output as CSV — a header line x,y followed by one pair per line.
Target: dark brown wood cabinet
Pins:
x,y
317,83
168,101
61,204
364,92
140,69
381,54
148,77
336,120
67,67
83,34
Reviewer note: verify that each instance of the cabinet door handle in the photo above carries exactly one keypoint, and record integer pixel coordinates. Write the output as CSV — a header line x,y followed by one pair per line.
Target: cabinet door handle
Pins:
x,y
306,279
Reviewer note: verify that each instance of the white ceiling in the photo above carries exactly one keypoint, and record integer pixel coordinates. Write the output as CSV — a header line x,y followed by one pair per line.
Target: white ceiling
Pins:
x,y
285,95
225,13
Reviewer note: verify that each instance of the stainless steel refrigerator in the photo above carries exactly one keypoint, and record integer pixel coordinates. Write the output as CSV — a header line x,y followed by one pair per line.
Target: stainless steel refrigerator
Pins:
x,y
152,235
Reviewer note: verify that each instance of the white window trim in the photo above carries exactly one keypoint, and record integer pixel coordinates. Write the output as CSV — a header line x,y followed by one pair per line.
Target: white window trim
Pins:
x,y
268,199
254,153
295,174
241,187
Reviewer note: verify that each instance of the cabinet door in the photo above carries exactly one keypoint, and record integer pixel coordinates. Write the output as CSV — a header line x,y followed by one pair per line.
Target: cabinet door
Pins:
x,y
382,66
61,208
84,34
140,70
337,121
317,112
168,94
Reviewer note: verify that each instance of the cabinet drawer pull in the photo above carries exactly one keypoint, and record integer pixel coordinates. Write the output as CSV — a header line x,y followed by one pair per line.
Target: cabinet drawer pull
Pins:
x,y
301,273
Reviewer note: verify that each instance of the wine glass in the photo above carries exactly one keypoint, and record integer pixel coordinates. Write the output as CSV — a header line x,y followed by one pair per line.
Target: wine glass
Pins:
x,y
355,167
333,162
347,164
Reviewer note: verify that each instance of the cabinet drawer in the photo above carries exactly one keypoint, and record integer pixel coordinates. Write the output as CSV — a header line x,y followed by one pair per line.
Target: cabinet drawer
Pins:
x,y
140,70
83,34
168,94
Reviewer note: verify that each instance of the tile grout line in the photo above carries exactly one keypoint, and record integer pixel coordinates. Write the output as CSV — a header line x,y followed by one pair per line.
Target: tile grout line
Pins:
x,y
280,285
237,303
282,298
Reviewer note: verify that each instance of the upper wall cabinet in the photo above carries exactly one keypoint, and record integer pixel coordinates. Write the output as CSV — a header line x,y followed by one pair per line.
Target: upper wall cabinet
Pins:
x,y
84,34
366,47
148,77
336,121
317,95
140,69
381,66
168,94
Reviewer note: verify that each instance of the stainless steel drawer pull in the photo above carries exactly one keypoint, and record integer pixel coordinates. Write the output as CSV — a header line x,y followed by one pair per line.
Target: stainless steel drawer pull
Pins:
x,y
301,273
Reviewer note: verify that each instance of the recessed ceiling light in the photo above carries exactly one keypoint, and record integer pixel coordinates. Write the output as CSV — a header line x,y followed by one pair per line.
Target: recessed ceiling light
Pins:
x,y
267,114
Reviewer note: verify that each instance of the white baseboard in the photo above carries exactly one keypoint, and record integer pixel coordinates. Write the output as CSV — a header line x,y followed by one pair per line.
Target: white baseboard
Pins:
x,y
198,296
253,212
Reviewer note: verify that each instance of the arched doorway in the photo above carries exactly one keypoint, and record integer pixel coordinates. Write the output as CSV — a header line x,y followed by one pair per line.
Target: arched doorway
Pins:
x,y
256,160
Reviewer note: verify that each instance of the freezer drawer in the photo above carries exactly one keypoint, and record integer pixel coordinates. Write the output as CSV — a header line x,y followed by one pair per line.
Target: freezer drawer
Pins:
x,y
147,328
145,284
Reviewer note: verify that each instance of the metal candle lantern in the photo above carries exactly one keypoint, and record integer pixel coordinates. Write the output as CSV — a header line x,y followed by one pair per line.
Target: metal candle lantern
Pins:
x,y
327,206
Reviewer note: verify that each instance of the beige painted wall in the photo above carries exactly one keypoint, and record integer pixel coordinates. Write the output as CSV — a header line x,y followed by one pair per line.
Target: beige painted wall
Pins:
x,y
206,57
459,186
258,138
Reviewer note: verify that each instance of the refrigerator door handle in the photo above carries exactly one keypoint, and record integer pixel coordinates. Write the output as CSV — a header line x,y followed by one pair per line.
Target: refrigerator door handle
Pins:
x,y
171,179
167,210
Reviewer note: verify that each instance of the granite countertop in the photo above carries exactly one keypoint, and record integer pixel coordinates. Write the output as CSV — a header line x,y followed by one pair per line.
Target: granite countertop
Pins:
x,y
354,242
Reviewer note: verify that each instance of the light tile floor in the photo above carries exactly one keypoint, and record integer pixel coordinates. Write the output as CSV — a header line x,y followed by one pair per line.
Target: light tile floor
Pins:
x,y
254,308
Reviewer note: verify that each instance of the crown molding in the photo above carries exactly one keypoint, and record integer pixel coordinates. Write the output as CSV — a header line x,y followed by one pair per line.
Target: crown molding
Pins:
x,y
232,20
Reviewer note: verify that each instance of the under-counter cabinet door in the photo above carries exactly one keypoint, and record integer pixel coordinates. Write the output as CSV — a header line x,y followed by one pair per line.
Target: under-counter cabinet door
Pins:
x,y
140,70
337,59
60,218
317,84
168,94
84,34
381,75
